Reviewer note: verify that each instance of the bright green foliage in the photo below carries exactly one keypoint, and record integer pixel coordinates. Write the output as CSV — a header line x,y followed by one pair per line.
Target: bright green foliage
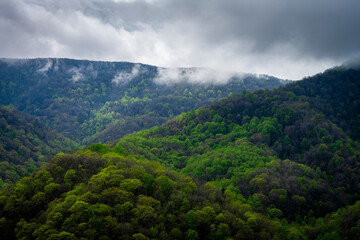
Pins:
x,y
74,197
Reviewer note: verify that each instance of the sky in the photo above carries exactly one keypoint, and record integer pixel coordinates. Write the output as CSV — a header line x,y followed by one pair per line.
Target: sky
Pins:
x,y
284,38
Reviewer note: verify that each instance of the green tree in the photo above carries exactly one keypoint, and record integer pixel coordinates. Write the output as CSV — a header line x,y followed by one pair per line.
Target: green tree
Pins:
x,y
191,235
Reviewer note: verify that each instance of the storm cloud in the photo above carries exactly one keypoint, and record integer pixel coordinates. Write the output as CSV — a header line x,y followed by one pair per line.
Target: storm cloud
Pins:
x,y
288,39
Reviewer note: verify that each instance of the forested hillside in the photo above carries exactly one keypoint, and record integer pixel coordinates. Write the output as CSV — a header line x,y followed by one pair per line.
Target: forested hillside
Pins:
x,y
271,164
106,193
337,97
80,98
89,101
25,144
290,153
100,193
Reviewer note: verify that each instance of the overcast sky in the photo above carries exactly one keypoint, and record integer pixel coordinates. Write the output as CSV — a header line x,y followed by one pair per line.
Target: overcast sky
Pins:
x,y
285,38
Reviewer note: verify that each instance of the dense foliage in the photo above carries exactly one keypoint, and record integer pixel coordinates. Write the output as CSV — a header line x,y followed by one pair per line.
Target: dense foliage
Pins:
x,y
25,144
79,98
102,193
337,97
282,151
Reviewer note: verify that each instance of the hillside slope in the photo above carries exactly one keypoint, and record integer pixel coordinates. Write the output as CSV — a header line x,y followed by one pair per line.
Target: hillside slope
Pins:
x,y
102,193
337,97
80,98
25,144
278,149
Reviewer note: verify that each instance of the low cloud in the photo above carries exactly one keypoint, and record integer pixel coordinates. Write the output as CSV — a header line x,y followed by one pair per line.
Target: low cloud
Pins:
x,y
193,75
46,67
76,74
123,77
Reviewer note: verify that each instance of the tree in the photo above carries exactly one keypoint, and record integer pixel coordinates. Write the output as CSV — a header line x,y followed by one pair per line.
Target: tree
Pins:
x,y
69,178
139,236
191,235
191,220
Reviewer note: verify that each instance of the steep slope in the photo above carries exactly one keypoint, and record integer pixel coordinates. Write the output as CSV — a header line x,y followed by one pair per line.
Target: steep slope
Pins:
x,y
81,98
25,144
337,97
280,150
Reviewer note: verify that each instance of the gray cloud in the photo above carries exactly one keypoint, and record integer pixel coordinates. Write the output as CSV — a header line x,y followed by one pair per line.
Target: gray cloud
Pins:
x,y
284,38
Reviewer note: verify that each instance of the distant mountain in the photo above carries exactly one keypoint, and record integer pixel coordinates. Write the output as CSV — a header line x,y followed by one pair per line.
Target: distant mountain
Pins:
x,y
25,144
280,164
80,98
